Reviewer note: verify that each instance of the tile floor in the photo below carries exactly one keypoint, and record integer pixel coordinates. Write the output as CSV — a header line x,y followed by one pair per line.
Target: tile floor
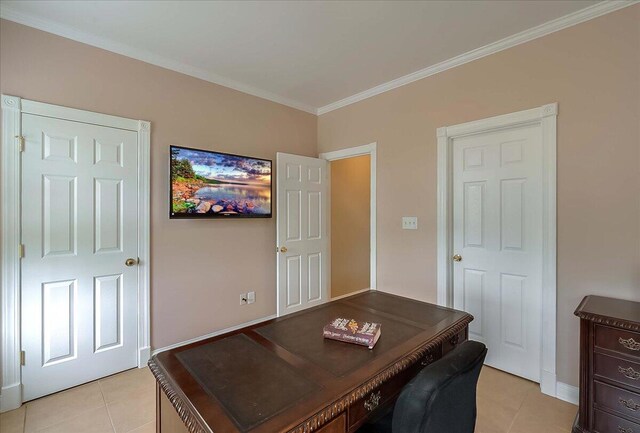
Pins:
x,y
124,403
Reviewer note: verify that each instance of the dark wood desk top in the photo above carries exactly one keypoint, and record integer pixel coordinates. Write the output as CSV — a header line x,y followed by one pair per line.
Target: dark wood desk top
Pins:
x,y
283,376
610,311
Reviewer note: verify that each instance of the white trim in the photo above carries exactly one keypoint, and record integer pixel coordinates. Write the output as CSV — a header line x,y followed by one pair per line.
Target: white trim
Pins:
x,y
346,295
602,8
75,115
144,242
544,29
9,13
11,391
214,334
12,110
568,393
546,117
371,150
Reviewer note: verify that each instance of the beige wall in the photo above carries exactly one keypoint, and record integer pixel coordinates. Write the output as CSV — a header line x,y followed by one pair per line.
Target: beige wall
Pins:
x,y
198,268
350,224
593,71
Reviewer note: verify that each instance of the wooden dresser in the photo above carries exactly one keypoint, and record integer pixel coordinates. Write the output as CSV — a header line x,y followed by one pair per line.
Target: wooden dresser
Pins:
x,y
609,366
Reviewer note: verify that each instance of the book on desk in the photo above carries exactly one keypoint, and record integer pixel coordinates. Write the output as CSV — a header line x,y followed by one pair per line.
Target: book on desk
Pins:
x,y
351,331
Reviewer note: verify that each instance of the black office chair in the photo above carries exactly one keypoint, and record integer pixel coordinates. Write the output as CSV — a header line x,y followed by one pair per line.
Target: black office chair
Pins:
x,y
440,399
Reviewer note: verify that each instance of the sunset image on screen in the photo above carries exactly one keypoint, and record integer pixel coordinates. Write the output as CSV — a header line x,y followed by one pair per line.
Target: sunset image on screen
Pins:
x,y
211,183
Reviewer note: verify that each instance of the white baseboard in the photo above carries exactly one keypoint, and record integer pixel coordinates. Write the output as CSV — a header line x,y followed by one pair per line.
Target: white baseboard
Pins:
x,y
214,334
568,393
11,397
144,354
349,294
548,383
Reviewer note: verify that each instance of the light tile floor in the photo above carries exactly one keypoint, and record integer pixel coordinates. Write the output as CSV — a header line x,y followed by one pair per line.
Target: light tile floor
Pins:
x,y
124,403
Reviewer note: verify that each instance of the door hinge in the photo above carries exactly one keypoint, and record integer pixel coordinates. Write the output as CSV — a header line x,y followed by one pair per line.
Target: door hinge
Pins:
x,y
20,143
21,251
22,357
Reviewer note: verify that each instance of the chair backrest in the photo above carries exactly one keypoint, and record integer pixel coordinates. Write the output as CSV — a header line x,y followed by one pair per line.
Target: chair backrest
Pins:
x,y
442,397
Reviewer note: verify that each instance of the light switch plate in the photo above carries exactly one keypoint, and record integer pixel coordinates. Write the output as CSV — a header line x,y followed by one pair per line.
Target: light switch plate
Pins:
x,y
243,299
251,297
410,223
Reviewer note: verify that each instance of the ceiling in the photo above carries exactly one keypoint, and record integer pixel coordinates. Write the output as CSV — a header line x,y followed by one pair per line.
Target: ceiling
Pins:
x,y
312,55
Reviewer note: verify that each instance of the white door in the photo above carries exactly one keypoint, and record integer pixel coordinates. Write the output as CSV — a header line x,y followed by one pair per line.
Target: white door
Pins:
x,y
497,221
79,226
302,188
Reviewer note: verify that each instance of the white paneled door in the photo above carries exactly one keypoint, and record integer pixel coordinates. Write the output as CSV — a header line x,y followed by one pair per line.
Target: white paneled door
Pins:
x,y
79,228
497,242
302,188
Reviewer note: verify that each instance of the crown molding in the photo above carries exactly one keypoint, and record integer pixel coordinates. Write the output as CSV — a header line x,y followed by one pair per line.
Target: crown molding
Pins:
x,y
544,29
607,6
9,13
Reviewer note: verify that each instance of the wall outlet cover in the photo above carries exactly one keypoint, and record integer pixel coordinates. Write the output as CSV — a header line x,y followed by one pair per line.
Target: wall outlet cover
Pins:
x,y
410,223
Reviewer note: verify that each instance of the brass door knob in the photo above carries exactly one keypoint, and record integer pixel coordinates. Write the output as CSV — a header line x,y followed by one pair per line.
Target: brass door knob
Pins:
x,y
283,249
457,258
131,262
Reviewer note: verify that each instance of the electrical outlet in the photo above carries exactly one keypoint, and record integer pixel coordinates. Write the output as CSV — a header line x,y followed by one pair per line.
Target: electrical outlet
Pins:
x,y
410,223
243,299
251,297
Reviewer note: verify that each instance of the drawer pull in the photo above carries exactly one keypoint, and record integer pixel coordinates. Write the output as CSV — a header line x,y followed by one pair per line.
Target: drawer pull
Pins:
x,y
454,340
625,430
372,402
629,343
427,360
629,373
629,404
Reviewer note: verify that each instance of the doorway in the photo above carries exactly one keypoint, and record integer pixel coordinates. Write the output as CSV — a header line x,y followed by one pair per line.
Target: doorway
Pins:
x,y
352,219
350,227
497,238
82,295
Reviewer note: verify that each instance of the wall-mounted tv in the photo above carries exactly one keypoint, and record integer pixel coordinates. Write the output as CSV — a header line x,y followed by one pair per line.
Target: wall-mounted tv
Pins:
x,y
207,184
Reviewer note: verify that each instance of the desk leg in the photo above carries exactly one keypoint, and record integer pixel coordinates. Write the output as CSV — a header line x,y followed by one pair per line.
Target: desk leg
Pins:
x,y
158,391
167,419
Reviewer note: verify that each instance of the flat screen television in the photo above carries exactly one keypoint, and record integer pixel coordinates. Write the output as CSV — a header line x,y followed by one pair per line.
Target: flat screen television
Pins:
x,y
206,184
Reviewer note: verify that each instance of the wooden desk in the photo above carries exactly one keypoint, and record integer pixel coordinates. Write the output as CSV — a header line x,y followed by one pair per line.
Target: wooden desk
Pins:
x,y
283,376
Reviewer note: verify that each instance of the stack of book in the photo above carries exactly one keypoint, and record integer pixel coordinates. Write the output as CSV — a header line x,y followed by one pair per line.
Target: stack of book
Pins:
x,y
351,331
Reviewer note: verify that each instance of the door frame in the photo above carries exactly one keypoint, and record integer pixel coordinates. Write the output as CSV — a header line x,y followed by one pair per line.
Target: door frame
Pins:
x,y
546,117
12,109
371,150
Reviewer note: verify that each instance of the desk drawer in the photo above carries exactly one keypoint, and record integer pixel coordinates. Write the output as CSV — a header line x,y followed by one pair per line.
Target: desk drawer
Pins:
x,y
617,339
453,342
606,423
617,369
618,400
360,410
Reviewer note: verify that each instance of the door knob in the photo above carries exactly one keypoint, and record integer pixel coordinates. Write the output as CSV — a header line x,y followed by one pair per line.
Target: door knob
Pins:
x,y
457,258
283,249
131,262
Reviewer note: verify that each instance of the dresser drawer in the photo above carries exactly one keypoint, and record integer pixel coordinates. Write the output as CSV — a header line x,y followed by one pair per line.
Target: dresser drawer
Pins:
x,y
618,400
606,423
618,339
617,369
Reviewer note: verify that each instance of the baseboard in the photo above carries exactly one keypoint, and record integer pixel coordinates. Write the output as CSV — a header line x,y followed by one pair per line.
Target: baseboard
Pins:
x,y
349,294
11,397
214,334
548,383
568,393
144,354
